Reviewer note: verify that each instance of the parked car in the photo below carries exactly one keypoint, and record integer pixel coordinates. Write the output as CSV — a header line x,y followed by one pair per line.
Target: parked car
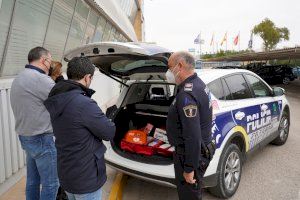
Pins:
x,y
254,66
198,64
227,67
247,112
296,71
275,74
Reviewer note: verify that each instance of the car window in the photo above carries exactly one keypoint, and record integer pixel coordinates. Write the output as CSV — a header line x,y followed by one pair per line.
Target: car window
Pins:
x,y
129,64
227,94
238,87
260,89
263,70
279,70
217,89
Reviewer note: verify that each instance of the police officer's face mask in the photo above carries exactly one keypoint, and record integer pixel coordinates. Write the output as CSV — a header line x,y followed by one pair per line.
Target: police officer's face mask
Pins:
x,y
171,78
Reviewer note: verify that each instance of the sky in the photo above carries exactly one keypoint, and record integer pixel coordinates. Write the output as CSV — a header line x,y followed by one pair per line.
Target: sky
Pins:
x,y
175,24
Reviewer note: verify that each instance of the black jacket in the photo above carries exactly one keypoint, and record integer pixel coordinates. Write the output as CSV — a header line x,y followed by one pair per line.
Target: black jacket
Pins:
x,y
79,126
189,121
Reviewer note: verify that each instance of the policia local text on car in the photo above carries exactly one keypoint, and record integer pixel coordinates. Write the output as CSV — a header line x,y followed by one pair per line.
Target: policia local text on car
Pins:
x,y
189,126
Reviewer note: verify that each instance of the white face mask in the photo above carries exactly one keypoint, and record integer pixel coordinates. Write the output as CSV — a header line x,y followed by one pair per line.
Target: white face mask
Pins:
x,y
171,78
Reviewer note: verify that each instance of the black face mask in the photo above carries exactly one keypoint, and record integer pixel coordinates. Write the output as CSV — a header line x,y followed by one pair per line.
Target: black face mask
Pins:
x,y
50,71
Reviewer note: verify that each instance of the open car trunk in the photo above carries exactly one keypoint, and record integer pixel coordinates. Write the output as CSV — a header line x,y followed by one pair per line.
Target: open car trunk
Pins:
x,y
145,101
147,108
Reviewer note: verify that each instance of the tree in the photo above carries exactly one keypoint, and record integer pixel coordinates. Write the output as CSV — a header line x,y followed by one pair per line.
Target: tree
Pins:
x,y
271,34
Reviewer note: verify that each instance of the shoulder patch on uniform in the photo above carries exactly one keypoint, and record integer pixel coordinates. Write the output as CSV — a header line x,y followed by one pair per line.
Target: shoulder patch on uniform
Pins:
x,y
188,87
190,110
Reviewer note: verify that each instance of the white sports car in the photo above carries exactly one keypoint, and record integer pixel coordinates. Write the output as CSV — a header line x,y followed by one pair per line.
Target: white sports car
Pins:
x,y
247,112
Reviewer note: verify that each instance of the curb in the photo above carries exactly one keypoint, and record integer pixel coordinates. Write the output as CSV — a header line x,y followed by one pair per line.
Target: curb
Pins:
x,y
116,192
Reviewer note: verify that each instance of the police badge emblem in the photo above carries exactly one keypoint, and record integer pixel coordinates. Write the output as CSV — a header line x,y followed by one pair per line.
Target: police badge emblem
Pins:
x,y
188,87
190,111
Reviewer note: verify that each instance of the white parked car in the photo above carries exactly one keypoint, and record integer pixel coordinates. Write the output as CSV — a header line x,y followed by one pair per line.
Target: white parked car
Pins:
x,y
247,112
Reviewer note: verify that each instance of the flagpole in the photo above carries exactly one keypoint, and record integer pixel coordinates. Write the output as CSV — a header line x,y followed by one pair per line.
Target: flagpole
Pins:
x,y
200,46
226,40
212,42
239,41
232,46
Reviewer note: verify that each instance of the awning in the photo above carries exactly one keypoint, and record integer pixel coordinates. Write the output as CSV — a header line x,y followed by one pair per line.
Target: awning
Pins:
x,y
280,54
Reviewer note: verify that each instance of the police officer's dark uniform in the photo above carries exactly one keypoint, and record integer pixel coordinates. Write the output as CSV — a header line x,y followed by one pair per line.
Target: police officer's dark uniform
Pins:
x,y
188,127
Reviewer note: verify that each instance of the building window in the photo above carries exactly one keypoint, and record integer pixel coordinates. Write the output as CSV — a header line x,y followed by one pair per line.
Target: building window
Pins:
x,y
123,38
6,8
28,30
118,36
78,25
99,30
112,36
59,25
107,31
90,29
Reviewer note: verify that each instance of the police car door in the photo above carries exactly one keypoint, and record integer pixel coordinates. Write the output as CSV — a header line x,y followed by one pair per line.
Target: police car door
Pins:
x,y
262,126
252,107
233,98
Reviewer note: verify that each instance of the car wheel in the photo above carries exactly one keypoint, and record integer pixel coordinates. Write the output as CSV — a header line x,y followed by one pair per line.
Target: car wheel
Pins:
x,y
230,172
284,128
285,80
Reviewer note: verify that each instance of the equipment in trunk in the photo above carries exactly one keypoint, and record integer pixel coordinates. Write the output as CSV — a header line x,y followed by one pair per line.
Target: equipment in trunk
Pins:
x,y
147,141
144,108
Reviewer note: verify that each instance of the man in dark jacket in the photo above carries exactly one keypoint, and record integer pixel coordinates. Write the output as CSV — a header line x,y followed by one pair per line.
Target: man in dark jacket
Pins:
x,y
79,126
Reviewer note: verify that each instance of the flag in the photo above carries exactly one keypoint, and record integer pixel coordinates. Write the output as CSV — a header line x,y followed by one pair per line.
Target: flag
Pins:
x,y
250,44
197,40
224,39
212,40
236,39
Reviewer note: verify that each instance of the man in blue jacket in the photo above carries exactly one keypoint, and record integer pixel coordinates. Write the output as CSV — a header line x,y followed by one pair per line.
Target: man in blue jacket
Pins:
x,y
79,126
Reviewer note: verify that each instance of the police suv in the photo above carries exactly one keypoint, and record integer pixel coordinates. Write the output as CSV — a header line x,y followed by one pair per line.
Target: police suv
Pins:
x,y
247,112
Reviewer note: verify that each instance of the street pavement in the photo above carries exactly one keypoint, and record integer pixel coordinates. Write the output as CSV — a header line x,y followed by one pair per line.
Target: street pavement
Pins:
x,y
272,173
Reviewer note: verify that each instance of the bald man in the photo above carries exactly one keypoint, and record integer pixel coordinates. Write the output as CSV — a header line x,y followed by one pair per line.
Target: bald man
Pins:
x,y
188,125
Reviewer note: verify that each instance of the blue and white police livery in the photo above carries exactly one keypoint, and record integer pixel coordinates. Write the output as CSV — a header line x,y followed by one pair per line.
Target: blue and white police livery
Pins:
x,y
247,112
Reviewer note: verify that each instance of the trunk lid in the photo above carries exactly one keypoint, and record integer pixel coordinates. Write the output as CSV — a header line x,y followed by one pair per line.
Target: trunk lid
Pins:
x,y
127,61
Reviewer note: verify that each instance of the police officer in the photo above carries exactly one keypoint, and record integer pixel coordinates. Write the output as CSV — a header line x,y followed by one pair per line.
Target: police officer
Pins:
x,y
188,125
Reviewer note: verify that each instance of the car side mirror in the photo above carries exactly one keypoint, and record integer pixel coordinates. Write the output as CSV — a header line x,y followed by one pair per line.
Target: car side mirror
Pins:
x,y
278,91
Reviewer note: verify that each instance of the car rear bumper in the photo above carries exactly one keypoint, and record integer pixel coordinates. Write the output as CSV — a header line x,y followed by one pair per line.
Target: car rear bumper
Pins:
x,y
209,181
